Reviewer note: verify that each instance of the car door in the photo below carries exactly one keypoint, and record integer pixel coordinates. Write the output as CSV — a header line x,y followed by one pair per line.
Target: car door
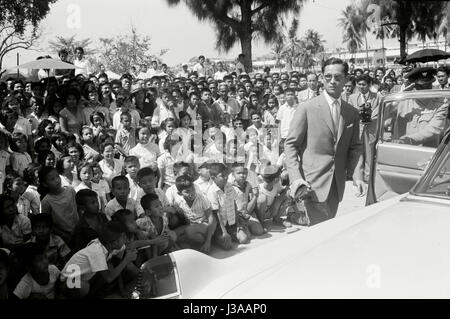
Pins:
x,y
409,129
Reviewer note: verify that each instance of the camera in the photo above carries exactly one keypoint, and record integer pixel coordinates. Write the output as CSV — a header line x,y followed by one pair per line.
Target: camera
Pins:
x,y
365,113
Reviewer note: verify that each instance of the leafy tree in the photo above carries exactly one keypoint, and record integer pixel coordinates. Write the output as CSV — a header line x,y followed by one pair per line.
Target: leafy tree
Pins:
x,y
70,43
120,53
19,24
242,20
419,18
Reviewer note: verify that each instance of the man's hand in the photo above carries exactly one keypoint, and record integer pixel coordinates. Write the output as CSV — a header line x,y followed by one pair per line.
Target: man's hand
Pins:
x,y
361,187
206,247
296,185
130,255
226,238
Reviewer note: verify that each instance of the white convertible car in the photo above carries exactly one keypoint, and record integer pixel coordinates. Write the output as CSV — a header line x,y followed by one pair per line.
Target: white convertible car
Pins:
x,y
398,247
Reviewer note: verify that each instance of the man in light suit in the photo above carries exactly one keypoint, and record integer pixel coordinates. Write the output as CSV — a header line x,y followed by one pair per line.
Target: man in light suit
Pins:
x,y
311,90
323,146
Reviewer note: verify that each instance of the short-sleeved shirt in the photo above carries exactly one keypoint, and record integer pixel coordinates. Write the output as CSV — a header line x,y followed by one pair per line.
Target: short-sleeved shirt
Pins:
x,y
285,115
166,161
15,235
110,172
74,121
28,285
23,125
203,185
32,195
135,118
89,152
231,106
147,154
224,202
241,200
63,209
127,139
101,188
172,193
196,212
270,195
20,161
90,260
113,206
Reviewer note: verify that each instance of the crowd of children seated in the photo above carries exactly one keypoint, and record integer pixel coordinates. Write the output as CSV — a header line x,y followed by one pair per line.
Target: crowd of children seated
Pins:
x,y
98,176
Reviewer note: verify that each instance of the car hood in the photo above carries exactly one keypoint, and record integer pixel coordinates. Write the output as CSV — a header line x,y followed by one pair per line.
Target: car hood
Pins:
x,y
400,252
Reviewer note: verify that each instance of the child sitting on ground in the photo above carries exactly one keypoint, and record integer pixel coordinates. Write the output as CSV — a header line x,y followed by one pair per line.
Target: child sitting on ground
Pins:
x,y
147,178
91,219
121,191
222,197
246,200
56,249
96,275
136,238
197,209
155,223
272,198
204,181
39,282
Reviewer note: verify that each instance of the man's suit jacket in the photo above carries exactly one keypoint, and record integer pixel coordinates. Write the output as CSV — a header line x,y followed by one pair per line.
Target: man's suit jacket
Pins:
x,y
306,95
316,155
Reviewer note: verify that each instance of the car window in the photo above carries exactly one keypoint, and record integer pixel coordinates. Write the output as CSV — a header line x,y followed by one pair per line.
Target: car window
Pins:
x,y
439,183
415,121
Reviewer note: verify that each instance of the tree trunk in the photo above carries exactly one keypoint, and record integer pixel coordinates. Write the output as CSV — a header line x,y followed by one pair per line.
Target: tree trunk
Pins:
x,y
402,41
246,46
246,34
367,51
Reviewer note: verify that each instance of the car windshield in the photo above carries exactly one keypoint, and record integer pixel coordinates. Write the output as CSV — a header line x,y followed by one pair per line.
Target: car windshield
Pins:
x,y
415,121
437,182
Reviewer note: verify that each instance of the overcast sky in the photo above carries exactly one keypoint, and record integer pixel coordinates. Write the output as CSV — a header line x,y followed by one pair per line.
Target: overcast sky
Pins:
x,y
174,28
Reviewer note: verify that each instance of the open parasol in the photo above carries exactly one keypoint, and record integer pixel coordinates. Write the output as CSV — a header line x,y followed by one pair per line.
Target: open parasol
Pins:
x,y
426,55
46,64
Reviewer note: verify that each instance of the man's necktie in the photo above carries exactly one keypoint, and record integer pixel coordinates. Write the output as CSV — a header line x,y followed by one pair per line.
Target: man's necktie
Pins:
x,y
335,116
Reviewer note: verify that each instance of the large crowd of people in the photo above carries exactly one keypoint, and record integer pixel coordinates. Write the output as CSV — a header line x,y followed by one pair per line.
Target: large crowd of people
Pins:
x,y
98,176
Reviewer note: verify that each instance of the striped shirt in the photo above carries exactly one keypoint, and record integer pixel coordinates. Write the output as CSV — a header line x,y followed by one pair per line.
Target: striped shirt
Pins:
x,y
224,202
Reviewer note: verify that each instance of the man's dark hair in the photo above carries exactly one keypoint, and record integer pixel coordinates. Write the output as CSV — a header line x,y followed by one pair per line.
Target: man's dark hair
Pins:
x,y
183,182
82,194
364,77
331,61
217,168
111,232
119,179
146,171
36,219
147,199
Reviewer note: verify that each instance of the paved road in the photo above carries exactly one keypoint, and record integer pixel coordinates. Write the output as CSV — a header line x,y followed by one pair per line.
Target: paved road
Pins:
x,y
349,204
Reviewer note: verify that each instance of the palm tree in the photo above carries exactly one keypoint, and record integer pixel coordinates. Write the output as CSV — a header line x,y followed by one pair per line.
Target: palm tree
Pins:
x,y
314,43
353,24
277,50
293,46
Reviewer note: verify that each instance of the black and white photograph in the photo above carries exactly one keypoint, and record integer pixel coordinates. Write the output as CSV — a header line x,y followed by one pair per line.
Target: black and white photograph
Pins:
x,y
245,150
